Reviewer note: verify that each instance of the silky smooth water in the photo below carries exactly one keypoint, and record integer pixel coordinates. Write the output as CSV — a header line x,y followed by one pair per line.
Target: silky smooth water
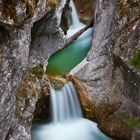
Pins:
x,y
67,120
65,104
65,60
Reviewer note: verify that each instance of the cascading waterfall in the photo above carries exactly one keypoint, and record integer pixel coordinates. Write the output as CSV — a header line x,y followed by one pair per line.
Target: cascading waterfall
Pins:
x,y
75,19
67,121
76,24
65,104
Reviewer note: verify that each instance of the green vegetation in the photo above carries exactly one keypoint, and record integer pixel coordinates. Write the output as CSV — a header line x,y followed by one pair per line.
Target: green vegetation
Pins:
x,y
135,60
135,123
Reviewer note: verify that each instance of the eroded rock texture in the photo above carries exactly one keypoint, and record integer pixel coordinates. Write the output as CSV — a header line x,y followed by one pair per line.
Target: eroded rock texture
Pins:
x,y
16,20
85,10
113,86
46,32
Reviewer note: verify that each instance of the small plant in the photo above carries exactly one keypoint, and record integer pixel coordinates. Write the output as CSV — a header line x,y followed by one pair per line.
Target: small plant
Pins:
x,y
135,123
135,60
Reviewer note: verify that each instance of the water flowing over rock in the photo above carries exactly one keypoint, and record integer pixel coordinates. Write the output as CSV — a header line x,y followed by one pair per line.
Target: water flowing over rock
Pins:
x,y
84,97
113,86
65,103
16,21
64,60
66,118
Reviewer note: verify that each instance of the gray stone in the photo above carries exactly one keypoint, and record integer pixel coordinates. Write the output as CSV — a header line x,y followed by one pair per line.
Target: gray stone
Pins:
x,y
113,86
16,21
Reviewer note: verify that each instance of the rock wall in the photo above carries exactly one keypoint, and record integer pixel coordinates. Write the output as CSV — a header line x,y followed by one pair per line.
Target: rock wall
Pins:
x,y
85,10
113,86
16,20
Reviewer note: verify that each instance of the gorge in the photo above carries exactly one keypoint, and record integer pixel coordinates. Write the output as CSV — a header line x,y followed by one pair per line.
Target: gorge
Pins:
x,y
66,110
67,119
66,59
33,67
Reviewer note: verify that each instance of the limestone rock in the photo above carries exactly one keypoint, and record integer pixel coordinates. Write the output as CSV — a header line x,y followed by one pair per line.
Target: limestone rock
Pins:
x,y
84,97
16,20
85,10
27,96
114,88
47,36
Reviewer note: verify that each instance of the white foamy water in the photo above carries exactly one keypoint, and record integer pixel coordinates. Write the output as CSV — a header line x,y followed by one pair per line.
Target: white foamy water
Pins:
x,y
81,129
65,104
67,119
67,122
75,19
76,24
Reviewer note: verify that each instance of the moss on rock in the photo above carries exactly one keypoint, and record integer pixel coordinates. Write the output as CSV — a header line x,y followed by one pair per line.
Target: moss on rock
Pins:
x,y
52,3
135,60
123,7
57,81
126,6
38,71
27,95
9,10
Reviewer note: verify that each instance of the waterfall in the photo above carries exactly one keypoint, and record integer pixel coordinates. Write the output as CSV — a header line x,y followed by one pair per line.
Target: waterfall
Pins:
x,y
75,19
67,120
65,60
76,24
65,104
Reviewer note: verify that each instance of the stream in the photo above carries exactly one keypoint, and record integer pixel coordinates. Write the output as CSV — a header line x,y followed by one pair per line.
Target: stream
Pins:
x,y
67,119
65,60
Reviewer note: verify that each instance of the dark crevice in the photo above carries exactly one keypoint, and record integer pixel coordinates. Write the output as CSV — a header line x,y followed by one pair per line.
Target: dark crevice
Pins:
x,y
10,131
43,109
4,34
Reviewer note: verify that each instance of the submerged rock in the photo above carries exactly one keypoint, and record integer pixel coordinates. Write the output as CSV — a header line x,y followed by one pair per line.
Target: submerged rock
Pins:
x,y
27,96
113,86
57,81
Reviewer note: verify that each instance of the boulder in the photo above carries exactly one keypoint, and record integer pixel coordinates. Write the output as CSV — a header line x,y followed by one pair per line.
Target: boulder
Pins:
x,y
112,85
17,20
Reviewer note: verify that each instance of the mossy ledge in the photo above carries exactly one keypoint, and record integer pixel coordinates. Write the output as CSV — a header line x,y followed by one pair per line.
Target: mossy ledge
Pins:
x,y
52,3
126,6
9,8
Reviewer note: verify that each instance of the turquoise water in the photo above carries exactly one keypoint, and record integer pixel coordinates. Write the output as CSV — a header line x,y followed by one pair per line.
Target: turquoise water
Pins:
x,y
66,59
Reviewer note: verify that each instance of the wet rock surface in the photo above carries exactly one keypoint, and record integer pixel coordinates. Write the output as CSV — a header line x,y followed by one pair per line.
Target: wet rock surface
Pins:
x,y
84,97
114,88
